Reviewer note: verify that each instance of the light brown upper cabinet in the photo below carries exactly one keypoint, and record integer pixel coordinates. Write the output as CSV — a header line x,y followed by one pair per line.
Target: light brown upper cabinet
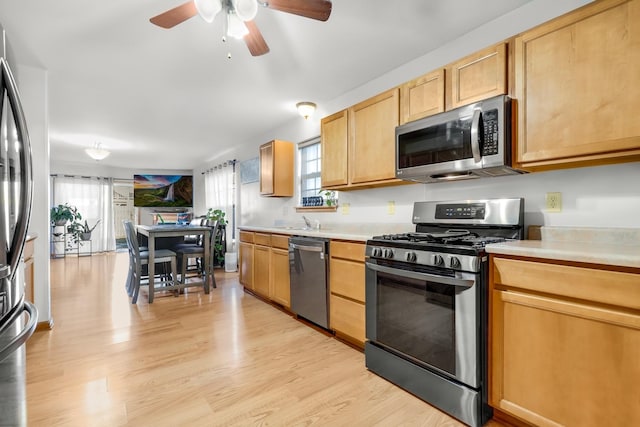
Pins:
x,y
372,138
422,97
577,86
358,144
276,168
334,137
478,76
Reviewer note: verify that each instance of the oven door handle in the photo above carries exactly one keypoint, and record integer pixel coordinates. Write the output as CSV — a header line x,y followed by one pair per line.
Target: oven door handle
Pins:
x,y
467,283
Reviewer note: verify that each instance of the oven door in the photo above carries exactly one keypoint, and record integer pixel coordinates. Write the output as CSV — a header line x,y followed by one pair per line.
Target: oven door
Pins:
x,y
425,317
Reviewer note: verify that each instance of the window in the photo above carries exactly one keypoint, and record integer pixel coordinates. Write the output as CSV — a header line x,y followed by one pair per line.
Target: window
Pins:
x,y
310,166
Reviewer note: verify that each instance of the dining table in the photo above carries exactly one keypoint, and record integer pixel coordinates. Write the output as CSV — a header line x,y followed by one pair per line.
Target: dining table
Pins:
x,y
153,232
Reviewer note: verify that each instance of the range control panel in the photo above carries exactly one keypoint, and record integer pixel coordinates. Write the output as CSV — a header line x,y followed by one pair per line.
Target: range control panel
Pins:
x,y
461,211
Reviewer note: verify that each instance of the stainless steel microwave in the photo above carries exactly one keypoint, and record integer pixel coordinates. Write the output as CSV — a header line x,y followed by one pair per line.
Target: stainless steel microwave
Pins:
x,y
468,142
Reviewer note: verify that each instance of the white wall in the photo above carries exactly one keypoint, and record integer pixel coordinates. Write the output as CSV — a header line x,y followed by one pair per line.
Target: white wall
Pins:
x,y
32,84
595,196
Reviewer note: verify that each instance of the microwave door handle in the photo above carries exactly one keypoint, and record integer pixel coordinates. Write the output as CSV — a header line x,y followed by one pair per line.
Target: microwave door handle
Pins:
x,y
421,276
475,135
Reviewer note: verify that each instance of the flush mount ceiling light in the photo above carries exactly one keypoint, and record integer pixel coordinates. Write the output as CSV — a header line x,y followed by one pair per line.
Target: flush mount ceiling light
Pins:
x,y
97,152
305,109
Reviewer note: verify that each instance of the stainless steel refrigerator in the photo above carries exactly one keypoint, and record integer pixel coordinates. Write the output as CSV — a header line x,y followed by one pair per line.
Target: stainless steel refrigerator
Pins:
x,y
18,318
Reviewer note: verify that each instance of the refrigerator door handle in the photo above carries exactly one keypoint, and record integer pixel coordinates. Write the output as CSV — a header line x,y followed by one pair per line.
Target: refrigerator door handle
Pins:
x,y
26,332
26,188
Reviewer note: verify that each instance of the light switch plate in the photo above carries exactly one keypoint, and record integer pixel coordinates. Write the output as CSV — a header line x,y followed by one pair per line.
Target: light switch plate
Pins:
x,y
345,208
391,207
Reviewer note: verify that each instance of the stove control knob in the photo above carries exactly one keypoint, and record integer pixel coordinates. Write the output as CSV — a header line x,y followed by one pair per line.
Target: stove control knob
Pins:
x,y
376,252
411,257
388,253
437,260
454,262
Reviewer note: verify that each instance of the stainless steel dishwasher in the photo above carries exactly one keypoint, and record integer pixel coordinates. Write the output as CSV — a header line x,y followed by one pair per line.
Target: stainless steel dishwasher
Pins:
x,y
309,264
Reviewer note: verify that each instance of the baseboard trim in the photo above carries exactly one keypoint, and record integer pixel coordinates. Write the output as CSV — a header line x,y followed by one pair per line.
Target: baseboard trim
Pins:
x,y
44,326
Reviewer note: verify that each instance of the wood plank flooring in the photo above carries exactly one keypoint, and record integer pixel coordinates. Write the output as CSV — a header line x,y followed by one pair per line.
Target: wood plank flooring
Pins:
x,y
223,359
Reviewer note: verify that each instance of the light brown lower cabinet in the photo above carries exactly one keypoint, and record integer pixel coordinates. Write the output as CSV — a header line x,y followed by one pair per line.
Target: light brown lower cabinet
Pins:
x,y
29,270
565,343
246,259
347,289
280,287
264,265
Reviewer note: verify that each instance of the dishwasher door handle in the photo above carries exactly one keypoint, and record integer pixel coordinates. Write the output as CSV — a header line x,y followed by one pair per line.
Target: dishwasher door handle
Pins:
x,y
306,248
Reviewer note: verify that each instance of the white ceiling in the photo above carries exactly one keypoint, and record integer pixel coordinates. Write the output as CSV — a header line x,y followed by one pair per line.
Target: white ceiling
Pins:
x,y
170,99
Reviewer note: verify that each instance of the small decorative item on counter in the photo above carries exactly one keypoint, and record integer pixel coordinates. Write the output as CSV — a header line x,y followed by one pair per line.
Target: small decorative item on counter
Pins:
x,y
312,201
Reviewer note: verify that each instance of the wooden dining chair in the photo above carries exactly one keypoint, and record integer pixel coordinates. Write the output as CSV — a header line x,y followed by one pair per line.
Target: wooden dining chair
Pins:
x,y
138,258
185,253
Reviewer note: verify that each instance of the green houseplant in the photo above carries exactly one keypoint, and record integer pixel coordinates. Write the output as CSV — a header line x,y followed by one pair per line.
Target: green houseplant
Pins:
x,y
61,214
218,233
330,198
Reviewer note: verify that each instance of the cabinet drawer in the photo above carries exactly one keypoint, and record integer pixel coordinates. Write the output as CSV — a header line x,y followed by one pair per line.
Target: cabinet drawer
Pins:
x,y
246,236
279,241
347,279
602,286
347,317
262,239
347,250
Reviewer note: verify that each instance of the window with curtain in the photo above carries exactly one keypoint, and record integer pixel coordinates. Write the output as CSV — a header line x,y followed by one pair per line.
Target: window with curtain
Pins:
x,y
310,166
220,193
93,196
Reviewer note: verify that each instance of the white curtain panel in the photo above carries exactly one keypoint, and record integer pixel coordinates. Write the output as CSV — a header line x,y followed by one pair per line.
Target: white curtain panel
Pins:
x,y
220,193
93,196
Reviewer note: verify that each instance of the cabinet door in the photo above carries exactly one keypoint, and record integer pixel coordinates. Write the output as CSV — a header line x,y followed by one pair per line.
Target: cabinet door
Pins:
x,y
558,362
280,291
577,88
334,145
347,279
246,264
276,168
347,318
266,168
422,97
372,138
479,76
261,261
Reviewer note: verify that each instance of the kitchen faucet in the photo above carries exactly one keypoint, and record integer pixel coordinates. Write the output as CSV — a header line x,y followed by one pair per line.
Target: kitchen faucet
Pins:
x,y
306,221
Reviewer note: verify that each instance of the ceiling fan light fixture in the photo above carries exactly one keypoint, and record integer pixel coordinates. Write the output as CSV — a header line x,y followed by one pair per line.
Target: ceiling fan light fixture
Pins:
x,y
97,152
208,9
235,26
246,9
305,109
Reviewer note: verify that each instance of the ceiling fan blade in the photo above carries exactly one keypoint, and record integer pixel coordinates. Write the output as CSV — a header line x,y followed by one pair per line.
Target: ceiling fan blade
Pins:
x,y
314,9
175,16
254,40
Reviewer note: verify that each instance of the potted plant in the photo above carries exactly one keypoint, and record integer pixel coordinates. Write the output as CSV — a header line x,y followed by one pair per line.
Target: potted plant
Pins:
x,y
330,198
218,234
80,231
86,230
61,214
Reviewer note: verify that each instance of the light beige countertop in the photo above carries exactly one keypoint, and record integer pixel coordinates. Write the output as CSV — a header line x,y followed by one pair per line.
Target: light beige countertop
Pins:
x,y
608,246
356,232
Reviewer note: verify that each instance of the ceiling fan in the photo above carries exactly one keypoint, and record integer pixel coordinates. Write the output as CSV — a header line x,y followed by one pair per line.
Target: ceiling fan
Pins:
x,y
239,16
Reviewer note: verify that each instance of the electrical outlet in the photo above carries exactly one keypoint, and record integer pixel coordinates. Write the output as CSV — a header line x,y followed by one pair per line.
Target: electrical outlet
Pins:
x,y
345,208
391,207
554,202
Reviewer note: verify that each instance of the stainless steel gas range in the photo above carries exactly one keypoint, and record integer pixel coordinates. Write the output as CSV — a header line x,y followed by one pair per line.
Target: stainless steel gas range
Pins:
x,y
427,302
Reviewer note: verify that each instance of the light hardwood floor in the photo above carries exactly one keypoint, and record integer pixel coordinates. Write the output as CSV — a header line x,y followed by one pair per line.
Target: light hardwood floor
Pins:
x,y
222,359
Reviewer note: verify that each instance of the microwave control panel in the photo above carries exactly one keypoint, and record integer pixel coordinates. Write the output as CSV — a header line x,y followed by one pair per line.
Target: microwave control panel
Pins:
x,y
490,122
